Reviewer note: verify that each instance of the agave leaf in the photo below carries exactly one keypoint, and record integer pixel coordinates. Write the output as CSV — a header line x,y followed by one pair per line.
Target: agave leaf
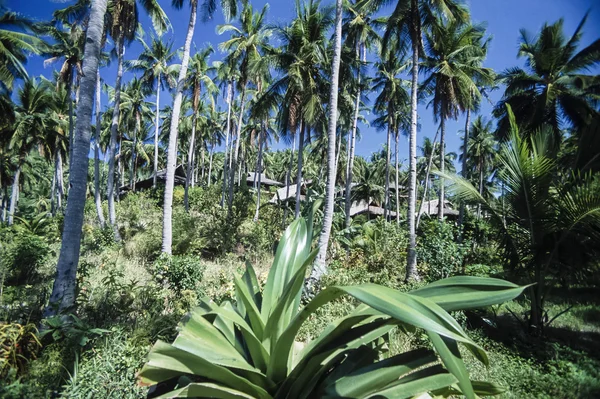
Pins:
x,y
258,352
292,251
308,374
425,380
481,388
375,376
286,307
252,312
467,292
450,355
205,390
201,338
166,361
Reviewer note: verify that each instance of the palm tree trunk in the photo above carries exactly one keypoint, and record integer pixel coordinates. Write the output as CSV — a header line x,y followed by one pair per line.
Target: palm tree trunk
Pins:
x,y
259,168
337,153
227,134
97,197
69,96
62,298
210,163
480,187
4,206
463,171
426,183
300,166
234,159
14,196
442,167
133,148
320,267
156,128
386,201
203,161
167,235
411,259
351,145
287,183
112,150
190,161
60,185
53,192
397,183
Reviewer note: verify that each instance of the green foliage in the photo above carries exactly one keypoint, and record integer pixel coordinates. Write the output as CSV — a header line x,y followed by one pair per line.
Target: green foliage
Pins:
x,y
380,245
21,258
70,328
108,371
261,236
250,349
180,272
438,253
99,238
18,345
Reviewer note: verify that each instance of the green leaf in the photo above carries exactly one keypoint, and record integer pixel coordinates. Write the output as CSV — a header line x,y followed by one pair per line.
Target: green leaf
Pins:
x,y
422,381
372,378
450,355
466,292
205,390
166,361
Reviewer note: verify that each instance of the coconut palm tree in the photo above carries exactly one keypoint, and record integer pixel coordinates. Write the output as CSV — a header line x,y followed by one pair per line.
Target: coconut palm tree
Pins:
x,y
198,77
32,118
391,105
361,35
63,291
68,48
245,47
16,41
410,19
135,109
319,268
154,63
481,149
122,22
551,89
452,73
167,235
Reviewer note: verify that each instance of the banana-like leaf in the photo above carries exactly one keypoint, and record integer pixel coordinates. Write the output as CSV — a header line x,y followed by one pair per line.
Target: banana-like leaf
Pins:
x,y
246,298
481,388
467,292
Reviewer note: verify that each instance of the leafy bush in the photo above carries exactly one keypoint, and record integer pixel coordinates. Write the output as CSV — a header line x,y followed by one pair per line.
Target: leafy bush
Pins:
x,y
21,259
108,371
382,245
261,236
438,253
250,349
181,272
98,238
18,345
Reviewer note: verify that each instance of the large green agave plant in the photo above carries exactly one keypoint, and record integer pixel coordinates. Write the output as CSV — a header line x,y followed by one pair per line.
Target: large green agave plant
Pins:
x,y
249,349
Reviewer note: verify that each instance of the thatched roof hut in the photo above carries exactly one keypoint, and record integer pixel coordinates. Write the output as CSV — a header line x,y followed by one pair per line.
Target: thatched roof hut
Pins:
x,y
161,177
431,208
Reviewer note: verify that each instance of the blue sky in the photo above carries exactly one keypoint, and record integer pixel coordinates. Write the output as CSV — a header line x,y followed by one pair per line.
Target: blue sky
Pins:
x,y
504,18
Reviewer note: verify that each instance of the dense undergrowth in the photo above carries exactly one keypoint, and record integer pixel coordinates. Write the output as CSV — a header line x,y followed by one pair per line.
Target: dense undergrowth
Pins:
x,y
129,296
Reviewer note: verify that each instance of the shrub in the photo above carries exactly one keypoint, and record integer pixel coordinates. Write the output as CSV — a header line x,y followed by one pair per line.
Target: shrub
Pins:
x,y
21,259
181,272
438,253
107,371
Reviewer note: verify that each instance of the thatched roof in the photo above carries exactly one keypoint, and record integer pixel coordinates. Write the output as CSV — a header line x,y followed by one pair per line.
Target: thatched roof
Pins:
x,y
263,180
362,206
283,194
161,177
431,208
